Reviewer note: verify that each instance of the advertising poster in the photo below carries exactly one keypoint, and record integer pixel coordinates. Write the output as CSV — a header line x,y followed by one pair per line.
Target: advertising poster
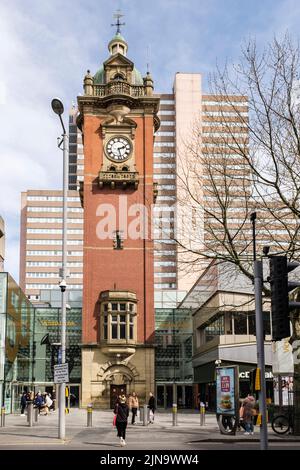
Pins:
x,y
226,390
287,390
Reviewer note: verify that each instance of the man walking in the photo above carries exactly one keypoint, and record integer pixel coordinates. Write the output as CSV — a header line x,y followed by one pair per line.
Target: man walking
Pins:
x,y
23,403
133,406
151,406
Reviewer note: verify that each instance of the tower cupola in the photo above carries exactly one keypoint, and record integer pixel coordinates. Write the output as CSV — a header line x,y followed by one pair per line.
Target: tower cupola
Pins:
x,y
118,45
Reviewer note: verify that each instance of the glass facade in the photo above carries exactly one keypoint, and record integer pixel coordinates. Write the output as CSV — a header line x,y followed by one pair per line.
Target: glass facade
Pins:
x,y
173,356
29,344
16,341
46,343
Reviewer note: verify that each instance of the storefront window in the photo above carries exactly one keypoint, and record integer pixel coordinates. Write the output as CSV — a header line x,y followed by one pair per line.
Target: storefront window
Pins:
x,y
251,323
215,328
240,323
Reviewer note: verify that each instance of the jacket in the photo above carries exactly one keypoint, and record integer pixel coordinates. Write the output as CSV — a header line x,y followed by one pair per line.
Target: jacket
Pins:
x,y
39,401
122,412
151,403
23,400
133,402
248,410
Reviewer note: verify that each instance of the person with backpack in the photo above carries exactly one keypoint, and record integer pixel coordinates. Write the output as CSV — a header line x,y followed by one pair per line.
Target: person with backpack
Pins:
x,y
121,412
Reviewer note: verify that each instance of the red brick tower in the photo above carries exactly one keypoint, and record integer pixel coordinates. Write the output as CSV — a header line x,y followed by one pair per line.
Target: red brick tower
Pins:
x,y
118,120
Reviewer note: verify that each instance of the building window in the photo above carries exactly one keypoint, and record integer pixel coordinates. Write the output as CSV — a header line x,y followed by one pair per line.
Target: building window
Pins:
x,y
118,321
122,327
105,327
214,328
114,327
240,323
131,325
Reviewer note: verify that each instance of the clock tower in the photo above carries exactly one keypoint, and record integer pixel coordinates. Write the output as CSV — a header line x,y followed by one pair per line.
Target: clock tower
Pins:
x,y
117,117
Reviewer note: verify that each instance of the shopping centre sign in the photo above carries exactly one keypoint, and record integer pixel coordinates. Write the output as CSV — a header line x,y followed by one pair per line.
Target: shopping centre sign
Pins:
x,y
246,375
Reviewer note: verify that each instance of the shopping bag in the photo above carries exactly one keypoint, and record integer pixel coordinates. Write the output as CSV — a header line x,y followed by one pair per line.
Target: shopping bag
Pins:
x,y
114,420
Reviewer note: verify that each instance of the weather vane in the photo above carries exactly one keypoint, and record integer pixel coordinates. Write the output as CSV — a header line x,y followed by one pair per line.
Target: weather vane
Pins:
x,y
118,15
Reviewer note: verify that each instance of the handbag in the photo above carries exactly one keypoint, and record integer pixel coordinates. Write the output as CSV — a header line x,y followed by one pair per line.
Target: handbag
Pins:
x,y
115,416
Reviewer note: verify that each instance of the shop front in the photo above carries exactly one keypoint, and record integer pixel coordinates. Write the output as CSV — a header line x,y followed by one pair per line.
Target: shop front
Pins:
x,y
16,343
205,378
173,358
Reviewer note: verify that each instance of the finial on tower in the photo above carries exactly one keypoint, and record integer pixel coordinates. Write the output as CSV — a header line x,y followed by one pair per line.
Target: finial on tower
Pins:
x,y
118,15
148,59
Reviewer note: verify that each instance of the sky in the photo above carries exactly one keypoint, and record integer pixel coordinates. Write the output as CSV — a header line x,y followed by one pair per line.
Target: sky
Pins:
x,y
46,46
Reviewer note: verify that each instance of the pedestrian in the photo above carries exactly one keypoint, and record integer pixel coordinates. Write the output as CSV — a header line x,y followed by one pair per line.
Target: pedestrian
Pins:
x,y
47,404
54,399
241,417
133,406
248,414
23,403
121,411
151,406
39,402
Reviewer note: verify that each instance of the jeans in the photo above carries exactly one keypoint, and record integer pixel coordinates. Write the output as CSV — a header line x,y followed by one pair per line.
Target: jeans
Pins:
x,y
121,428
249,426
134,412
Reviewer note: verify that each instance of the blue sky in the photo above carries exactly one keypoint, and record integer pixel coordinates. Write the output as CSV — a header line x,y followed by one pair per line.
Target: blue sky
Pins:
x,y
47,46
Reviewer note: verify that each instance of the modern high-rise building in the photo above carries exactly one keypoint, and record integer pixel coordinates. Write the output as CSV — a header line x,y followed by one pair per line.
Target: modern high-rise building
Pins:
x,y
41,241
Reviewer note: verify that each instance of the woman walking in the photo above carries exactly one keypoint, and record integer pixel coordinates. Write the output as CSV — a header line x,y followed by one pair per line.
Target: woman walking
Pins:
x,y
121,411
248,413
133,405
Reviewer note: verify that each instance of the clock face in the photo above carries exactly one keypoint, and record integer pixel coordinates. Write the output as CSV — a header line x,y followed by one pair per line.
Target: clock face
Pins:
x,y
118,149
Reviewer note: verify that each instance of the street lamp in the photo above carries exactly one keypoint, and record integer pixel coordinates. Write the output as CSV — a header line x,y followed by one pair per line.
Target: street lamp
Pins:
x,y
58,108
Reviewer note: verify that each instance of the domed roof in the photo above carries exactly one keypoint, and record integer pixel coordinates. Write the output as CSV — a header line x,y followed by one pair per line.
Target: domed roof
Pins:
x,y
117,38
137,78
99,77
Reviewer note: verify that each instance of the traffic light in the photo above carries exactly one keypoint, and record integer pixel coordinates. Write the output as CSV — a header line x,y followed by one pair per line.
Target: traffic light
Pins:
x,y
280,288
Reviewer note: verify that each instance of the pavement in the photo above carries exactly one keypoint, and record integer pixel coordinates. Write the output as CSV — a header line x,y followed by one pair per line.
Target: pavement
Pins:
x,y
162,435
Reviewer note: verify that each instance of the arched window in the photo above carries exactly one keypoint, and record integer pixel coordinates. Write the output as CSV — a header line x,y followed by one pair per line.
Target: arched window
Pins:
x,y
125,168
112,168
119,76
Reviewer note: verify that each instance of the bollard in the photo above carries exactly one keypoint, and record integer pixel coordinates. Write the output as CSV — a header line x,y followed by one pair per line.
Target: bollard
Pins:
x,y
27,404
174,414
3,417
89,410
202,414
145,415
141,414
36,414
30,414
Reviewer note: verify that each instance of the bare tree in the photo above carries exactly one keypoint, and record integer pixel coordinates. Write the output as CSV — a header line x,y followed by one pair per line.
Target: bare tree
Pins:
x,y
245,156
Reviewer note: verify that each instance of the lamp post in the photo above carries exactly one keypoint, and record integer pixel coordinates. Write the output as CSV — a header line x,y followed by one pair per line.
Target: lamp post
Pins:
x,y
58,108
259,327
